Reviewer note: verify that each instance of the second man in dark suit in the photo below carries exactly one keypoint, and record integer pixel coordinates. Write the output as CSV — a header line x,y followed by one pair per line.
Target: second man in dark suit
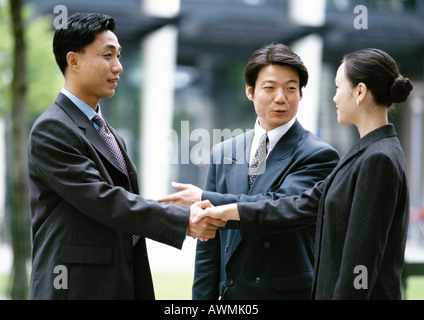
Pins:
x,y
270,267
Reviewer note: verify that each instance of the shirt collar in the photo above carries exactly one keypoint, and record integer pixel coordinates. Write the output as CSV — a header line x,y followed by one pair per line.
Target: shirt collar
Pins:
x,y
274,135
85,108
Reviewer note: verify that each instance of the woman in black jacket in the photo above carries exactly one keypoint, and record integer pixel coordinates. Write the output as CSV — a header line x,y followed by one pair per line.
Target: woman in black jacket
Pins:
x,y
361,210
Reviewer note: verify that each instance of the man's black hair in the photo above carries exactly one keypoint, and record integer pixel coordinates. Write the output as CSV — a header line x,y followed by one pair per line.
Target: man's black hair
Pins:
x,y
79,31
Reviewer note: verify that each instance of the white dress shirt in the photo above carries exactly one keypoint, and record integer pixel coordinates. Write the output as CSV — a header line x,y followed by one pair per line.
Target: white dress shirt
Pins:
x,y
273,136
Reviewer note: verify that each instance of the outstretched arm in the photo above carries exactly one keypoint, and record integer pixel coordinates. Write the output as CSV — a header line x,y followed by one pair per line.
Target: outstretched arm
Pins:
x,y
270,216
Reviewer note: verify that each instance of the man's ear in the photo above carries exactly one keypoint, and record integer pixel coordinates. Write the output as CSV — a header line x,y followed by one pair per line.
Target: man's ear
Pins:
x,y
249,92
72,58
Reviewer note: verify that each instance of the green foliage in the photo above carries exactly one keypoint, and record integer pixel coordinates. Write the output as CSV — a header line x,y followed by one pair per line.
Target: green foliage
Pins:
x,y
5,57
43,76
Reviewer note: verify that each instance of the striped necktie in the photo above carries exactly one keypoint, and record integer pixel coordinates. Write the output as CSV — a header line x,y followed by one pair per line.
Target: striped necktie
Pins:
x,y
113,146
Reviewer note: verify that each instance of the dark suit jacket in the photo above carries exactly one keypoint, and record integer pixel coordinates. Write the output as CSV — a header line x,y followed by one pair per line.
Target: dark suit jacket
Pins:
x,y
362,213
267,267
83,217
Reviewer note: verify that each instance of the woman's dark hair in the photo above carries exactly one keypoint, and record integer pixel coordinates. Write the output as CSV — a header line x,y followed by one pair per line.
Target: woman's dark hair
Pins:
x,y
380,73
79,31
274,54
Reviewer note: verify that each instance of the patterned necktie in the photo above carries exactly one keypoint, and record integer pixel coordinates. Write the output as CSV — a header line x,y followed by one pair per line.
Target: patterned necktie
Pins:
x,y
257,165
113,146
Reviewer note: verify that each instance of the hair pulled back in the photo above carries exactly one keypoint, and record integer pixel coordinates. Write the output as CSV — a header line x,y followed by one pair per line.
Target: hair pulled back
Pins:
x,y
380,73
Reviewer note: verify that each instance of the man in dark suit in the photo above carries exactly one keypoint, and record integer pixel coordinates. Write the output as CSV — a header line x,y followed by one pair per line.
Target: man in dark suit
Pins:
x,y
271,267
88,222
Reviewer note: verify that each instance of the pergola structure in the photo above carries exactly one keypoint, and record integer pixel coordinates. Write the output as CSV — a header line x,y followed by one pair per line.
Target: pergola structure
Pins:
x,y
238,27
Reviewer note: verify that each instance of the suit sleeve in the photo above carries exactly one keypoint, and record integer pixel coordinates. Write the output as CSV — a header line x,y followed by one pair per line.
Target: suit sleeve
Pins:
x,y
62,160
284,214
306,172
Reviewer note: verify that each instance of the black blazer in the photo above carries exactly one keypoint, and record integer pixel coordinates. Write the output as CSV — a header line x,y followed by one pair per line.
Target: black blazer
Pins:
x,y
83,217
362,214
267,267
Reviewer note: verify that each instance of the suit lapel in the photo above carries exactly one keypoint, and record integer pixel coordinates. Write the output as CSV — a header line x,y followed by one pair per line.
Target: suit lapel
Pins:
x,y
88,129
236,169
278,159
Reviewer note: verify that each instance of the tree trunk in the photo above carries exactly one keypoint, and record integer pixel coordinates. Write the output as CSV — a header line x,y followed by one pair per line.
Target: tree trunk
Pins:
x,y
20,208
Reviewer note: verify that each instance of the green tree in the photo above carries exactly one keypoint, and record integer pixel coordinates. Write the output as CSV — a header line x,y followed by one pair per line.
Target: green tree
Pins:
x,y
20,225
29,83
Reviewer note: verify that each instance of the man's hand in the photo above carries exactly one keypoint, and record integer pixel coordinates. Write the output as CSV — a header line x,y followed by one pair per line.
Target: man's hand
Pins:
x,y
204,228
188,195
220,213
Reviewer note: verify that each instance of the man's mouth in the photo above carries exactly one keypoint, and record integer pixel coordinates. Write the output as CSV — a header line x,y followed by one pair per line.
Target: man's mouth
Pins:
x,y
114,81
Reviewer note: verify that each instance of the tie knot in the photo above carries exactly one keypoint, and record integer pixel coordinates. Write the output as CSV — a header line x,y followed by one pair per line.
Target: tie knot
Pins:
x,y
98,119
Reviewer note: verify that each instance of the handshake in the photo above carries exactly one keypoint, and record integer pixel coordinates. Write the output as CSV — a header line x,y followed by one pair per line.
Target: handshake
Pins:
x,y
205,219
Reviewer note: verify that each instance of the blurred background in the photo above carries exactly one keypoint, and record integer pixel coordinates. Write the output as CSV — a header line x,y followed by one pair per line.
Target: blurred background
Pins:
x,y
182,91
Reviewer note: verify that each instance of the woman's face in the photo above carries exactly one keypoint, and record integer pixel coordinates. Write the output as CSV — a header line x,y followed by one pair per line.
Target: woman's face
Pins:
x,y
344,98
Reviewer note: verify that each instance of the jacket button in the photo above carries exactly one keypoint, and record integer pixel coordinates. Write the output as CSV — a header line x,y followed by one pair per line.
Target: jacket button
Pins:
x,y
267,244
130,262
226,249
258,280
230,282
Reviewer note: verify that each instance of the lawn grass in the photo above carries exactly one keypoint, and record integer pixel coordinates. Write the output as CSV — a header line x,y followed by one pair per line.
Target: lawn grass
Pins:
x,y
177,286
4,283
415,288
173,286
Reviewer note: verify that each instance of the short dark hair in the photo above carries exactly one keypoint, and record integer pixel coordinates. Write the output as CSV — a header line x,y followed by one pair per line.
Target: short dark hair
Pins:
x,y
79,31
380,73
274,54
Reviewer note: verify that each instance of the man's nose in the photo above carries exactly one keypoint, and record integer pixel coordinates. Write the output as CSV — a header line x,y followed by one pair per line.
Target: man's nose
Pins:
x,y
280,97
117,67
